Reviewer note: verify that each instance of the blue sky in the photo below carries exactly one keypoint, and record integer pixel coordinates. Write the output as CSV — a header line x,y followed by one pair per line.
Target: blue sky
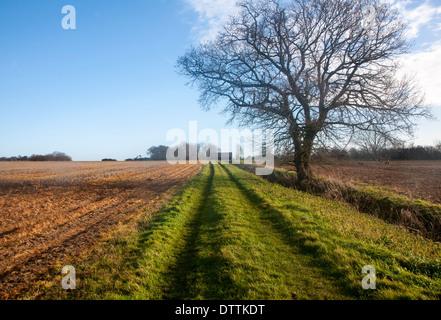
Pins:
x,y
110,89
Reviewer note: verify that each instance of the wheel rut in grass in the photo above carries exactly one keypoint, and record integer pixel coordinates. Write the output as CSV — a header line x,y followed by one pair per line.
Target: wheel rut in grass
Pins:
x,y
234,245
191,266
228,235
309,258
186,259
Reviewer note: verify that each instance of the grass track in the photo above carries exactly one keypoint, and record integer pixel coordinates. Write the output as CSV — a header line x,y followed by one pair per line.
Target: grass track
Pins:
x,y
231,235
232,252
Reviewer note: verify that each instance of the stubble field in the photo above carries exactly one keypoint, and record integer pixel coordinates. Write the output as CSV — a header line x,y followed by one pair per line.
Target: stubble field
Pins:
x,y
51,210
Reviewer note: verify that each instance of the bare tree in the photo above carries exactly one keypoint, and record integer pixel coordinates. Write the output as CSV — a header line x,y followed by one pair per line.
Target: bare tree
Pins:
x,y
157,153
376,142
437,144
312,70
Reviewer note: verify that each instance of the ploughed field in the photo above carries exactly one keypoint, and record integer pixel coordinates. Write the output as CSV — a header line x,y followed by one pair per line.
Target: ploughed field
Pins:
x,y
229,235
414,179
50,210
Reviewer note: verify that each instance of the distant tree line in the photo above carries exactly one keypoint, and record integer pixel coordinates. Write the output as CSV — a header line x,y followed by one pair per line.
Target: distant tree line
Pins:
x,y
392,153
155,153
159,153
55,156
139,158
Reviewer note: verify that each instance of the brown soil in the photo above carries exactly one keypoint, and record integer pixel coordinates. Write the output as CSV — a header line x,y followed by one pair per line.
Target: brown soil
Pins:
x,y
414,179
52,210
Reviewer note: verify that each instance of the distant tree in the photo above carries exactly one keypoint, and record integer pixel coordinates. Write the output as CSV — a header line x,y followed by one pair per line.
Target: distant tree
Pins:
x,y
208,150
189,151
312,70
157,153
438,145
375,143
60,156
55,156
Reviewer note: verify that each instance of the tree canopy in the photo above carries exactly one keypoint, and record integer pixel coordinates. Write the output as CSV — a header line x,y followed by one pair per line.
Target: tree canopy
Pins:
x,y
315,71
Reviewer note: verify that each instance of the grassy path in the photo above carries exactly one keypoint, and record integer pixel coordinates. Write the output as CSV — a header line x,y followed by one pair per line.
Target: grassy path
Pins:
x,y
233,252
231,235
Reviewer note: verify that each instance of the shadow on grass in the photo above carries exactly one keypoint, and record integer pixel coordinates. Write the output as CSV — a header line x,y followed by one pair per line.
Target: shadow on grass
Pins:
x,y
419,217
197,275
296,237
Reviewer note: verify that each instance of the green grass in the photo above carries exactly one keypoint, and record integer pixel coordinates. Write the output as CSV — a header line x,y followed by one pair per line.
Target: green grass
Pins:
x,y
416,215
230,235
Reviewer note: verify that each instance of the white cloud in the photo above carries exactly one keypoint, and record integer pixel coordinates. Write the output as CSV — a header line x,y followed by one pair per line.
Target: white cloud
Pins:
x,y
212,14
422,15
425,66
419,17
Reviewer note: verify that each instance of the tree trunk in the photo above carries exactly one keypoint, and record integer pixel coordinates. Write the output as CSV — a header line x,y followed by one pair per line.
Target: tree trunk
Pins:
x,y
302,160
